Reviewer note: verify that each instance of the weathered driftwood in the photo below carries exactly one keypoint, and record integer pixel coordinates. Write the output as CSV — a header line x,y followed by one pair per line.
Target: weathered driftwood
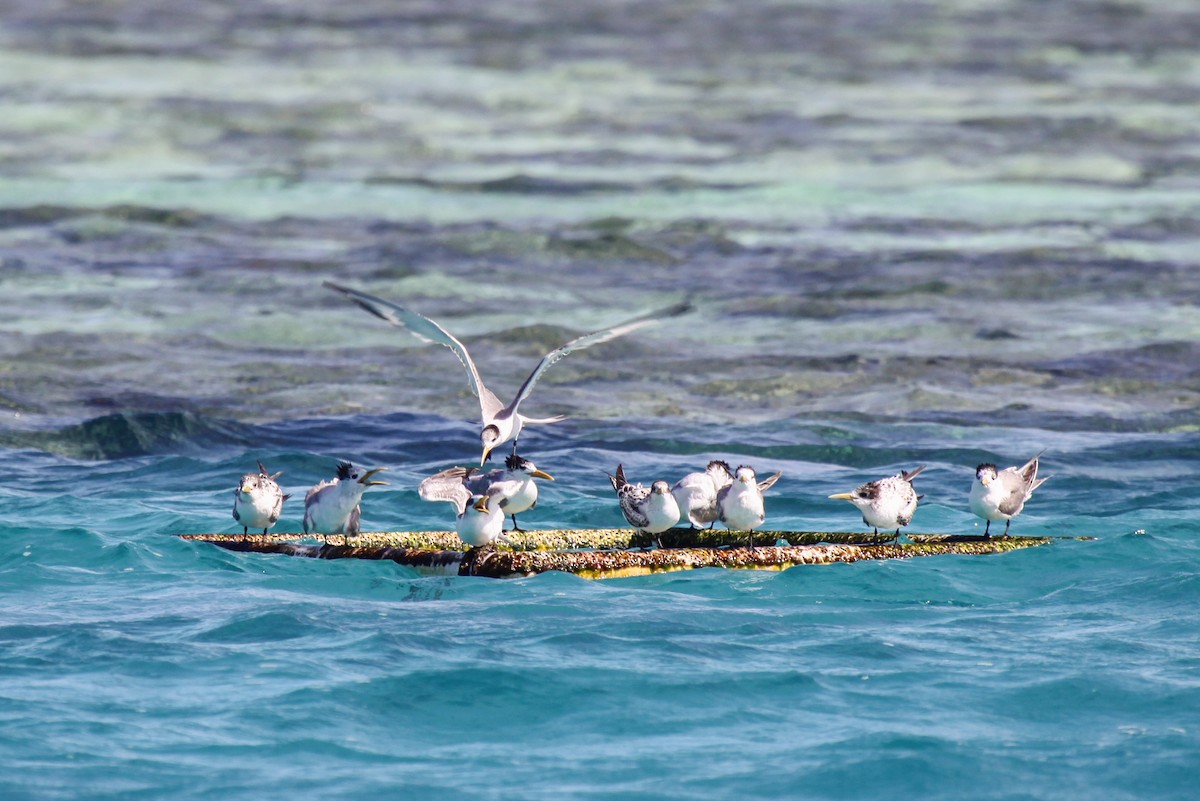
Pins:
x,y
441,552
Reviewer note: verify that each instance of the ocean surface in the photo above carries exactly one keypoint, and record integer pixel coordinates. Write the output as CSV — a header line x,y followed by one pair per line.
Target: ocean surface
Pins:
x,y
935,233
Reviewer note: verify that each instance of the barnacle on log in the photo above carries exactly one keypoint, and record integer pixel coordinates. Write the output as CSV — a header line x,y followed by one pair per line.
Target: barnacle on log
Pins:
x,y
603,553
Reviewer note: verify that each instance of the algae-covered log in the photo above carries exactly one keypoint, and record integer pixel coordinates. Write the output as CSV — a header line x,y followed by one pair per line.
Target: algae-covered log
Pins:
x,y
613,564
561,539
500,562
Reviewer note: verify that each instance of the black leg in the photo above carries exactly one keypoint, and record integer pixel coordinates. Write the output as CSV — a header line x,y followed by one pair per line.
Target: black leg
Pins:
x,y
515,526
987,530
1007,523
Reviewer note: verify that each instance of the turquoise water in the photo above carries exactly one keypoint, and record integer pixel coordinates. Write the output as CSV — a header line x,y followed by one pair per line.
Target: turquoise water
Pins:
x,y
920,233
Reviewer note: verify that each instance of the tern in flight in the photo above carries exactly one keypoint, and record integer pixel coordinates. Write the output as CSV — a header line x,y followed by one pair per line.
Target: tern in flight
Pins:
x,y
501,423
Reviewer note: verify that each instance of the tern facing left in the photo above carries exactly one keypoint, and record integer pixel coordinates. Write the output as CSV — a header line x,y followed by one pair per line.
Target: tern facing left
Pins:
x,y
652,510
258,501
887,503
332,507
501,423
741,503
1001,495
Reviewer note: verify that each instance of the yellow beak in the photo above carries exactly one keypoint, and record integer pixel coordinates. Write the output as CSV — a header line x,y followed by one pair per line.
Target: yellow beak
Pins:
x,y
246,490
370,473
481,505
486,453
842,496
540,474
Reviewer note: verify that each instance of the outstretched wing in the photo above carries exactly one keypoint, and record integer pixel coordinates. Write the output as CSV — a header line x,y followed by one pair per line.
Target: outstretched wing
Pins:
x,y
594,338
428,331
444,487
767,483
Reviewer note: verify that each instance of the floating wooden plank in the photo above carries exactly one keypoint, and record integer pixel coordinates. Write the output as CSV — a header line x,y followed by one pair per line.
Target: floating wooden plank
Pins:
x,y
588,552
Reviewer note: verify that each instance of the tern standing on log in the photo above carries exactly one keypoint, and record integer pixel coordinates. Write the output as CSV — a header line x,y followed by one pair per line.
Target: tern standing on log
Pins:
x,y
332,507
696,493
501,423
258,501
887,503
1001,495
652,510
741,503
480,518
514,486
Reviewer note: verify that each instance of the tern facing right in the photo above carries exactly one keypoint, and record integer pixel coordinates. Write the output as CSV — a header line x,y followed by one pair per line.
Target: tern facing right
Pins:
x,y
514,485
501,423
886,503
1001,495
332,507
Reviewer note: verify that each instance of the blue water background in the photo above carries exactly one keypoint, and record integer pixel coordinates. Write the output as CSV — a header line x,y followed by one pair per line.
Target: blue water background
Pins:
x,y
915,233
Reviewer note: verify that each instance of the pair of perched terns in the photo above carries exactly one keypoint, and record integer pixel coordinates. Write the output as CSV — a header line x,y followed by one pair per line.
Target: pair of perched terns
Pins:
x,y
995,495
330,507
735,497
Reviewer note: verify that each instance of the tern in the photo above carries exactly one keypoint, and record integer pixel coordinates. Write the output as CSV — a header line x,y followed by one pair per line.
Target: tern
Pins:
x,y
696,493
480,518
500,422
514,486
652,510
258,501
887,503
333,507
1001,495
741,503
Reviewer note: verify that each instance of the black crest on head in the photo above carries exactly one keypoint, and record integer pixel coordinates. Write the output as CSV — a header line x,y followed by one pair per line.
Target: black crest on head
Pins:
x,y
515,462
724,465
986,466
343,471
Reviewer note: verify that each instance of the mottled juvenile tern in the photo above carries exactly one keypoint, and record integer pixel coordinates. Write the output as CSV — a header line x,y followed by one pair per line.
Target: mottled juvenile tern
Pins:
x,y
696,493
741,503
886,503
501,423
332,507
652,510
1001,495
258,501
514,486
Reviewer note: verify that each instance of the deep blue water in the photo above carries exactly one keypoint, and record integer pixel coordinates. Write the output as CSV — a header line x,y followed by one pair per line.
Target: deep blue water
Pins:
x,y
915,233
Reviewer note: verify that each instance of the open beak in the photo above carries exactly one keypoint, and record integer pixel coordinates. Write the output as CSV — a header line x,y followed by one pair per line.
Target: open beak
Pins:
x,y
481,505
842,496
541,474
367,475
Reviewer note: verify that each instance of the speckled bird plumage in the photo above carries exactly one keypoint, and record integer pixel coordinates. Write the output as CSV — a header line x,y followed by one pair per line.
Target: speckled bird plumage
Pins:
x,y
652,510
258,500
888,503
